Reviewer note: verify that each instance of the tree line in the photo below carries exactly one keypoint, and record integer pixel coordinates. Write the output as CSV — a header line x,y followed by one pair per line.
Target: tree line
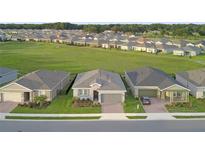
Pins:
x,y
148,29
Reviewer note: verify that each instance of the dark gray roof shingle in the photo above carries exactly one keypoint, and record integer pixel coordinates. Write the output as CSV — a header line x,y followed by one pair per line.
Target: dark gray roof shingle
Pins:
x,y
108,80
42,79
148,76
196,77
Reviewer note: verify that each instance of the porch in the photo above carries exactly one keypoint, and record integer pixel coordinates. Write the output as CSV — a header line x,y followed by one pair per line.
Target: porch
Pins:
x,y
175,96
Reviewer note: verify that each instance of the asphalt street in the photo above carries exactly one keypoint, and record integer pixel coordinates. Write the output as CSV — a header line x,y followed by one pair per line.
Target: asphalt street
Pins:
x,y
104,126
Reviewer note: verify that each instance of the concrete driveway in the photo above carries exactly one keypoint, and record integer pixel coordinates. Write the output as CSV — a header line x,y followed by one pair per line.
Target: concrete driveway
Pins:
x,y
7,107
157,106
112,108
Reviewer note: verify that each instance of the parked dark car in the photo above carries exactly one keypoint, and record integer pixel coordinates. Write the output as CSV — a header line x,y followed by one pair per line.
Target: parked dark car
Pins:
x,y
145,100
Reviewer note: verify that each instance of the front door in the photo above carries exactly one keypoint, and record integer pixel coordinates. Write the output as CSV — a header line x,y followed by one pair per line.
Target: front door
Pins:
x,y
95,95
26,96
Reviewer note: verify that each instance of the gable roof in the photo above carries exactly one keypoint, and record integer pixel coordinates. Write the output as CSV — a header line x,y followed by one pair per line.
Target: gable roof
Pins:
x,y
4,71
196,77
42,79
148,76
107,80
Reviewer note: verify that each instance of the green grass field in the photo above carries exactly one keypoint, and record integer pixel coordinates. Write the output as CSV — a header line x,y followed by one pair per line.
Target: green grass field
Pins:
x,y
30,56
52,118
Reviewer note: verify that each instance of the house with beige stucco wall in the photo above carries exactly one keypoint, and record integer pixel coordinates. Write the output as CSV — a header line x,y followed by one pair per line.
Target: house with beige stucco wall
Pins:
x,y
37,83
100,86
151,82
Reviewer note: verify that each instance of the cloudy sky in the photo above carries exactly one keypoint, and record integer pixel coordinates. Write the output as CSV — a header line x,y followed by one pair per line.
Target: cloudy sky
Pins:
x,y
82,11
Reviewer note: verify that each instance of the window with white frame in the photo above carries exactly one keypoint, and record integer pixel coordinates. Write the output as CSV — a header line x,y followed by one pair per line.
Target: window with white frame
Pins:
x,y
80,92
177,94
83,92
86,92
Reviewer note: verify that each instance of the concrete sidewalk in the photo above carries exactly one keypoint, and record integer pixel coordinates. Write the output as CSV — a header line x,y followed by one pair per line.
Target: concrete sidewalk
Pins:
x,y
113,116
158,116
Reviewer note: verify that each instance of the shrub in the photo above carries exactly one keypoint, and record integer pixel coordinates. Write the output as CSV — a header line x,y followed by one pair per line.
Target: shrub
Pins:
x,y
41,100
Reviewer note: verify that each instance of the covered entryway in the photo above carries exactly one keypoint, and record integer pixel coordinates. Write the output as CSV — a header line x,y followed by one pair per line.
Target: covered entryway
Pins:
x,y
147,92
111,98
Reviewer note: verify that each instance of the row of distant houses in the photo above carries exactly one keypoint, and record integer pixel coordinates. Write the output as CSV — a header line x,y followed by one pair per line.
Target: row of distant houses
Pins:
x,y
102,86
108,40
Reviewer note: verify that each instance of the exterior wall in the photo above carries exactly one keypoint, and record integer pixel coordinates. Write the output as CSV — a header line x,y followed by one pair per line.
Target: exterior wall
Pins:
x,y
151,50
178,53
124,47
8,77
105,45
89,96
139,48
195,91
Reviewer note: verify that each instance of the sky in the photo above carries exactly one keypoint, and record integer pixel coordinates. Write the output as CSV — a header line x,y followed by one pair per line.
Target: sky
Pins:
x,y
106,11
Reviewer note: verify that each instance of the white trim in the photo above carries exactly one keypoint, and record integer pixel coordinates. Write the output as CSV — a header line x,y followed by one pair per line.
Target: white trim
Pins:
x,y
96,84
14,83
174,85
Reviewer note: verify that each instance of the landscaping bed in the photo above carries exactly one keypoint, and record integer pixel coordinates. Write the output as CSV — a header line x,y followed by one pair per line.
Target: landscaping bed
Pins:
x,y
195,105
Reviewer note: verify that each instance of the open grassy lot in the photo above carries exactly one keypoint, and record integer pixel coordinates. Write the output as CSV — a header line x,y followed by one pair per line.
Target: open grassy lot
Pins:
x,y
197,105
29,56
62,104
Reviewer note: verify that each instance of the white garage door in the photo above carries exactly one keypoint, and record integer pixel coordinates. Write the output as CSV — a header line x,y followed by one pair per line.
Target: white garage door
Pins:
x,y
12,96
111,98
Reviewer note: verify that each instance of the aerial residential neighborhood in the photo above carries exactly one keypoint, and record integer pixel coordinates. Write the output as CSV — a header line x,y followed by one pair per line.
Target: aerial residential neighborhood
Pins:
x,y
74,74
107,39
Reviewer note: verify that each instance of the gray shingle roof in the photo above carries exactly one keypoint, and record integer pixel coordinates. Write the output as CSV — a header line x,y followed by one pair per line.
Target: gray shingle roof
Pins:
x,y
197,77
42,79
4,71
108,80
148,76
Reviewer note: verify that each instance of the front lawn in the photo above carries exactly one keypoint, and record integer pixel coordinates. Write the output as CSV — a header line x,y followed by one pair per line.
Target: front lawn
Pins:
x,y
53,118
136,117
131,104
60,105
198,105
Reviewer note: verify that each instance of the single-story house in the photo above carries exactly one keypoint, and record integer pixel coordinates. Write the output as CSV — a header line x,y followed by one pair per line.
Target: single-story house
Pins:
x,y
193,80
151,82
100,86
139,47
187,51
41,82
150,47
7,75
164,48
201,44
